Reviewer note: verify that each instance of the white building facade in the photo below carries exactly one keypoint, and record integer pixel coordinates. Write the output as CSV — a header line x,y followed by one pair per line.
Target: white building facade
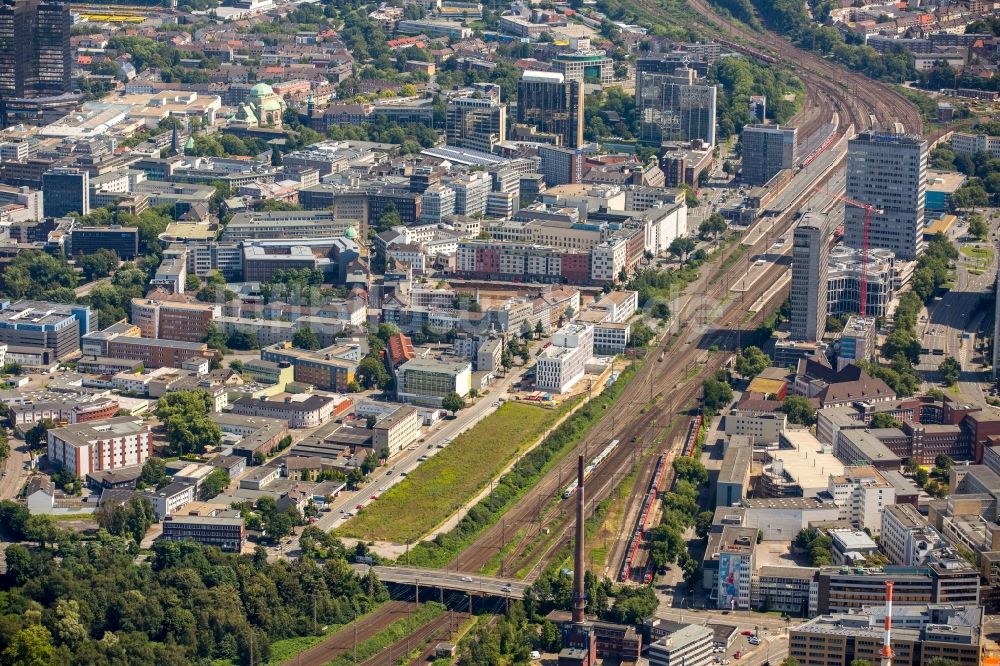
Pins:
x,y
562,364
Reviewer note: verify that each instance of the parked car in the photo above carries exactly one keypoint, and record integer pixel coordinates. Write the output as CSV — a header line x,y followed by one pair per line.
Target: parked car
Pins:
x,y
534,655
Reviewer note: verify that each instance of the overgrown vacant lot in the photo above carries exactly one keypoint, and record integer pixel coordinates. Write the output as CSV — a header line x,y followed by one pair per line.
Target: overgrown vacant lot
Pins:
x,y
441,485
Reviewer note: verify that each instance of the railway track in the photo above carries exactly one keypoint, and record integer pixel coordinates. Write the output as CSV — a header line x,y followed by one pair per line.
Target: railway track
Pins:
x,y
683,397
356,633
438,628
858,98
535,528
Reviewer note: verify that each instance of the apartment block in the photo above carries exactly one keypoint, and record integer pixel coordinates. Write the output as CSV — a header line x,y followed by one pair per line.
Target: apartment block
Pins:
x,y
609,260
93,446
174,320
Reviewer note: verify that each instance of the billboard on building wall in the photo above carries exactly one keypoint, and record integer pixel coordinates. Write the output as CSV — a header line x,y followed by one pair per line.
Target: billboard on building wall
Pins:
x,y
729,577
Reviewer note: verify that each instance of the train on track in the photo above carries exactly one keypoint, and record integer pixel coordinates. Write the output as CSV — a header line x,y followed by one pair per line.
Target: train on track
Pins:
x,y
747,51
692,436
589,469
642,522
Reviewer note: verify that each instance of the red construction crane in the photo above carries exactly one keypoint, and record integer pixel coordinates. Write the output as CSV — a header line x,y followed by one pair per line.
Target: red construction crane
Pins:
x,y
886,653
869,209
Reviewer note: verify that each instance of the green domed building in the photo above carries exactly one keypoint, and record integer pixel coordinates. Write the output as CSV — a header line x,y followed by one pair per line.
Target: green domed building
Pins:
x,y
267,107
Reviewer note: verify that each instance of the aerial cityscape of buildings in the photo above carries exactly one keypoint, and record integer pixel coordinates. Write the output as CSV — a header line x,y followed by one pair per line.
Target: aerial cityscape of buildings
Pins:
x,y
656,344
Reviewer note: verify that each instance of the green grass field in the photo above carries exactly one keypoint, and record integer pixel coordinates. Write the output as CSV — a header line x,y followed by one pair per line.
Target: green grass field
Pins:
x,y
977,252
441,485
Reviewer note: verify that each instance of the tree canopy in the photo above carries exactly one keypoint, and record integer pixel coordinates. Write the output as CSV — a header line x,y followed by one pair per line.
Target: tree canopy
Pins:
x,y
752,361
718,394
799,410
34,274
305,338
453,402
184,415
96,604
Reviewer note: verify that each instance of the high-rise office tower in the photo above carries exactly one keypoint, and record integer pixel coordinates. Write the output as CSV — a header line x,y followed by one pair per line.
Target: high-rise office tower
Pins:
x,y
767,149
55,64
17,18
479,121
810,264
553,105
34,48
888,171
674,107
65,190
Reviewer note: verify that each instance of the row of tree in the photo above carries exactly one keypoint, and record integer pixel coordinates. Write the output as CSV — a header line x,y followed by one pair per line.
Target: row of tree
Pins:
x,y
70,601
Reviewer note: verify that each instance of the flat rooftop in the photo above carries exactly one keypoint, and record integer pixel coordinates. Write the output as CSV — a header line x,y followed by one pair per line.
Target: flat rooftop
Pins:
x,y
82,434
189,231
810,462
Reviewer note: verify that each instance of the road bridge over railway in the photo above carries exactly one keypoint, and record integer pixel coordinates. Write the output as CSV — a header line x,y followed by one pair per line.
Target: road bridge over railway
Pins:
x,y
448,581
